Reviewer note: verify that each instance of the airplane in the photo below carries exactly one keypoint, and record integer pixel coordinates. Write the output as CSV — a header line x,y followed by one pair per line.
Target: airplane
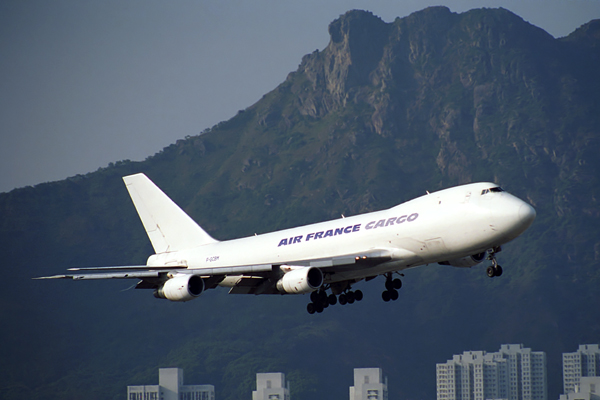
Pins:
x,y
460,226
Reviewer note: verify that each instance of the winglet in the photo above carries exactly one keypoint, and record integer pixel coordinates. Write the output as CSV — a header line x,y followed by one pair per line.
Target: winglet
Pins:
x,y
168,227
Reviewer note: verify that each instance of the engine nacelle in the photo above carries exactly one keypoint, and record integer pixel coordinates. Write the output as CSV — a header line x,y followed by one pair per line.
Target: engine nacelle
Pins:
x,y
183,287
300,280
466,262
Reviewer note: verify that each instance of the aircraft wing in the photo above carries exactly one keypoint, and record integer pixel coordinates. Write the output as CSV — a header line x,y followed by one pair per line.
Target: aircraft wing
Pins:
x,y
145,271
249,279
108,275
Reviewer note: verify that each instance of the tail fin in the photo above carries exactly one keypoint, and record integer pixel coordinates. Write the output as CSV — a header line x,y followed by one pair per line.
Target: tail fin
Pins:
x,y
168,227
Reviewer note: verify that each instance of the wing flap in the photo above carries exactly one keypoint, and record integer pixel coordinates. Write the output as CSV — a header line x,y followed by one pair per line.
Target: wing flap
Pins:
x,y
358,260
239,270
246,285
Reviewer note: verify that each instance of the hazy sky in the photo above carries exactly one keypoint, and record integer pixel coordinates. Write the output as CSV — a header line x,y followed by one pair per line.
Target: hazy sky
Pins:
x,y
84,83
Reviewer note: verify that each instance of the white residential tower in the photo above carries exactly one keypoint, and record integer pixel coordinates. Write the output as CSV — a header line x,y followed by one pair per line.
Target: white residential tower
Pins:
x,y
585,362
513,373
170,387
369,384
271,386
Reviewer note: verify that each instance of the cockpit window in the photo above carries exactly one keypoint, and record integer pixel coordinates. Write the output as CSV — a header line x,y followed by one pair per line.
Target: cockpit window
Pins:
x,y
496,189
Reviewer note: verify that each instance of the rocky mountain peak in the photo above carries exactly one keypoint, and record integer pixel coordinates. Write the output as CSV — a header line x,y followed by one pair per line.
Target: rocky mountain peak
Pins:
x,y
365,53
353,25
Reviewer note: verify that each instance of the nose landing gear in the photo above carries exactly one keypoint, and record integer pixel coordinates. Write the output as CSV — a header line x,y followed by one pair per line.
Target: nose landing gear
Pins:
x,y
495,269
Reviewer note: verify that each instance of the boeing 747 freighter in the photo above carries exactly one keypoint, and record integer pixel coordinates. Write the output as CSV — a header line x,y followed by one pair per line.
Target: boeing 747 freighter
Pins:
x,y
460,226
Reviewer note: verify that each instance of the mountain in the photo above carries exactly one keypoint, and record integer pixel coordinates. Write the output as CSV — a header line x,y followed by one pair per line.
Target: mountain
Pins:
x,y
385,112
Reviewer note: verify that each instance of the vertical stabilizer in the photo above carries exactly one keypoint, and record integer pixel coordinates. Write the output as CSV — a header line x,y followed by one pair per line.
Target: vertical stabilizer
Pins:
x,y
168,227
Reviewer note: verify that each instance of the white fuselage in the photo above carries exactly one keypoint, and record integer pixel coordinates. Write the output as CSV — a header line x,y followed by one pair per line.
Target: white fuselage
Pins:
x,y
444,225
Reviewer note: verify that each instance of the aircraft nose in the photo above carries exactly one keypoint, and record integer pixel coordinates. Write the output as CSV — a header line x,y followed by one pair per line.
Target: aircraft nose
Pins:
x,y
526,214
511,216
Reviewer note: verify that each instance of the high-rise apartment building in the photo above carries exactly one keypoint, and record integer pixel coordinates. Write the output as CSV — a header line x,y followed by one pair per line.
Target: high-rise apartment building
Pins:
x,y
588,388
513,373
369,384
170,387
584,362
271,386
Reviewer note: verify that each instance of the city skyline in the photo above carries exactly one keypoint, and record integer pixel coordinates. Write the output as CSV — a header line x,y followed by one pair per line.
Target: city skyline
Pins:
x,y
514,372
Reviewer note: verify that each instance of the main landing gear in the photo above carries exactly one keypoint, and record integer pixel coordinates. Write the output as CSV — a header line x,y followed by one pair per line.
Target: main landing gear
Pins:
x,y
391,286
320,300
495,269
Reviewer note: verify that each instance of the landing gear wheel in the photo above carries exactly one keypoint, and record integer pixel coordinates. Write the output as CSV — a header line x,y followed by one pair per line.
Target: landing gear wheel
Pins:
x,y
396,283
389,284
393,295
491,271
332,299
323,296
310,307
318,308
358,295
350,297
498,271
386,296
314,297
343,299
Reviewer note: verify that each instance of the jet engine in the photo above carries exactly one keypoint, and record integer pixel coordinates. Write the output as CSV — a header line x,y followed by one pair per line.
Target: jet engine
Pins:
x,y
466,262
183,287
300,280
